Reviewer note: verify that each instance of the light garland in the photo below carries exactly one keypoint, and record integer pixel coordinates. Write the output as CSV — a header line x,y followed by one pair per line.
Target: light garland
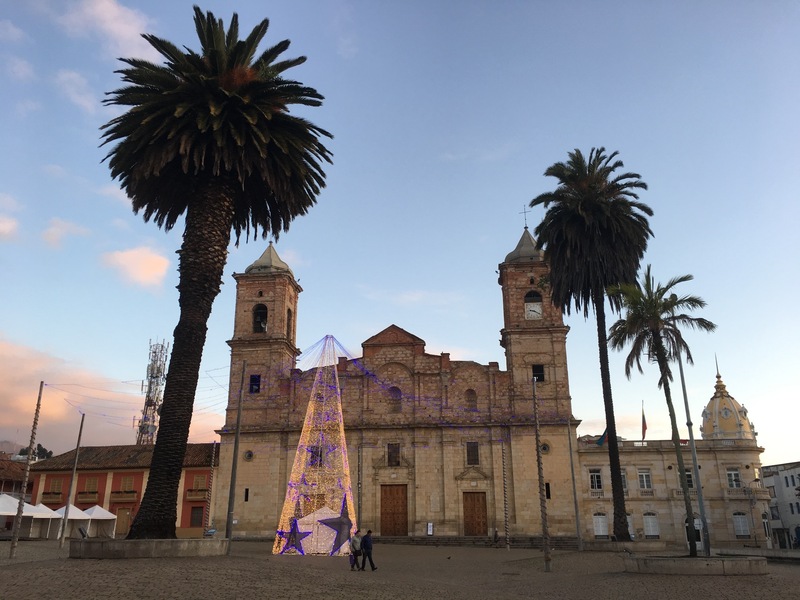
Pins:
x,y
316,511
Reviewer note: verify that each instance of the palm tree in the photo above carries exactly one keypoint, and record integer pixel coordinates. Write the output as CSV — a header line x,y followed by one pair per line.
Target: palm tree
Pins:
x,y
650,324
208,135
594,233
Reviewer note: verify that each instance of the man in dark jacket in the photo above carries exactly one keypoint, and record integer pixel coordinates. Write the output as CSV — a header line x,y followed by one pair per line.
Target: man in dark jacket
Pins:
x,y
366,550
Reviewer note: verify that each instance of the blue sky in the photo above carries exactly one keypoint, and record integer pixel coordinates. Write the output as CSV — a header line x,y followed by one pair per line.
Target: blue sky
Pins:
x,y
445,116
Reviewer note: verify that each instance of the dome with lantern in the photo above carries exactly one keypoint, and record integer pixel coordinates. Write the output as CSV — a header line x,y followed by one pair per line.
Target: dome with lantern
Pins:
x,y
724,418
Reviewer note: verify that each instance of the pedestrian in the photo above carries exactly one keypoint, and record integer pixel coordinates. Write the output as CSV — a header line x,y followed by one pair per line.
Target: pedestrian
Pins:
x,y
355,549
366,551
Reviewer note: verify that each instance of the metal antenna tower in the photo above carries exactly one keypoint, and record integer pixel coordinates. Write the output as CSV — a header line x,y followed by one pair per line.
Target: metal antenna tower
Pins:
x,y
156,375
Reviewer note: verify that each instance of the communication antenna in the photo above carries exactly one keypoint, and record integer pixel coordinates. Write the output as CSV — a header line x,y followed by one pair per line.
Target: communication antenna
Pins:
x,y
156,376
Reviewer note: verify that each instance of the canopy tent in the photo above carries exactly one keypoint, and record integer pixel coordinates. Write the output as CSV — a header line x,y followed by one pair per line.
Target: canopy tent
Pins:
x,y
102,524
77,520
8,505
39,522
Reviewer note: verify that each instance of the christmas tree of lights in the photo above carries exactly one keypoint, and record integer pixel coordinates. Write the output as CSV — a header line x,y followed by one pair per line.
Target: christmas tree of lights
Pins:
x,y
318,512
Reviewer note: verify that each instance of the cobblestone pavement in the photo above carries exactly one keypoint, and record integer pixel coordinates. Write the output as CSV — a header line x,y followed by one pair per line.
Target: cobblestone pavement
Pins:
x,y
42,570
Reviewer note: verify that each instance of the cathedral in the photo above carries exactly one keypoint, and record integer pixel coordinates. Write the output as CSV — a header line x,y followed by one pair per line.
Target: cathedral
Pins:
x,y
447,448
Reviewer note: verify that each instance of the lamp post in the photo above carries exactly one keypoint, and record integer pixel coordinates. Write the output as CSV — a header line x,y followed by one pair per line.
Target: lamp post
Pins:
x,y
542,497
695,468
752,497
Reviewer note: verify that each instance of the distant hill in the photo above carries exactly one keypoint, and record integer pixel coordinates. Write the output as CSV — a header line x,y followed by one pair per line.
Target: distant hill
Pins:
x,y
10,447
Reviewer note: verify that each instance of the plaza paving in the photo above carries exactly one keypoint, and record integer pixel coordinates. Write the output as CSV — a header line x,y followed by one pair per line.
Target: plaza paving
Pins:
x,y
42,570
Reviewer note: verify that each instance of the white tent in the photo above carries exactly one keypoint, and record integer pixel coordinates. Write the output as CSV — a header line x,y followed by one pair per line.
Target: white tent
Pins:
x,y
39,522
77,520
102,524
8,505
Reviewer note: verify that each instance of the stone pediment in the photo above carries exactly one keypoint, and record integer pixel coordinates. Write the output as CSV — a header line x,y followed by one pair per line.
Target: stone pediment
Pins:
x,y
472,474
394,336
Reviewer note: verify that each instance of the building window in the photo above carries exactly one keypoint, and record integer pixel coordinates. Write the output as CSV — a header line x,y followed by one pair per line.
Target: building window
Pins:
x,y
471,400
393,455
199,482
624,481
55,486
90,485
247,494
786,479
595,479
791,507
733,478
289,323
196,518
473,457
631,530
126,484
259,318
740,525
645,483
255,384
775,513
538,373
395,400
547,490
689,479
651,530
314,456
600,523
792,480
798,507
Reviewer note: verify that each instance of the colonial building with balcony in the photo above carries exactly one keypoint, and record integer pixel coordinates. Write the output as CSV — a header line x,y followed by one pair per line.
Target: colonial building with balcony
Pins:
x,y
115,477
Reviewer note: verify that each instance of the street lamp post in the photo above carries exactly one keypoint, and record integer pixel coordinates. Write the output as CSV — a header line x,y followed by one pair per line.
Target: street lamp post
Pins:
x,y
693,448
542,496
751,494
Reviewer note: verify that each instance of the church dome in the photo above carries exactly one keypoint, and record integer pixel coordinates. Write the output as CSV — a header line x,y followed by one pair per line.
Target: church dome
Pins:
x,y
526,250
269,262
724,418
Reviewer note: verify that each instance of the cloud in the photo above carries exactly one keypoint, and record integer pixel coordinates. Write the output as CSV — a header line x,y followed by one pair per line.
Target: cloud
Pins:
x,y
55,170
141,266
27,106
114,191
411,297
342,24
8,227
118,26
111,407
8,202
20,69
75,87
59,229
10,32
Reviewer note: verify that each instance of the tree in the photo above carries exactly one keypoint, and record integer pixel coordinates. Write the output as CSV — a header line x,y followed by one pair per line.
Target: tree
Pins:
x,y
208,134
594,234
41,452
652,327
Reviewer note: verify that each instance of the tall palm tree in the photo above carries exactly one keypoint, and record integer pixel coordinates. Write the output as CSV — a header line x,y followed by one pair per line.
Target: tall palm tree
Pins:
x,y
208,134
652,327
594,234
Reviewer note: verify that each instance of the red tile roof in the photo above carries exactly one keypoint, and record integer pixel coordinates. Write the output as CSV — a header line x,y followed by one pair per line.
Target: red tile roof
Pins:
x,y
11,470
124,457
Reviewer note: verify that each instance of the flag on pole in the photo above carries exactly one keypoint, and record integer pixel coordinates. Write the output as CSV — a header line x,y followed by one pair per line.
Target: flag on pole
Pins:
x,y
602,439
644,422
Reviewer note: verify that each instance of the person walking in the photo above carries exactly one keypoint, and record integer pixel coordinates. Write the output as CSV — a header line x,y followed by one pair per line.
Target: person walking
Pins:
x,y
355,549
366,551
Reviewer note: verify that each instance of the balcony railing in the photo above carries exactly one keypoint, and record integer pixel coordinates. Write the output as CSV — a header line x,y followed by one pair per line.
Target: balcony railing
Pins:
x,y
197,494
678,493
84,497
126,496
51,497
646,493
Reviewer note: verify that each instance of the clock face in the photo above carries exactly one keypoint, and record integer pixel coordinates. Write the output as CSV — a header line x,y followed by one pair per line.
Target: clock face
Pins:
x,y
533,310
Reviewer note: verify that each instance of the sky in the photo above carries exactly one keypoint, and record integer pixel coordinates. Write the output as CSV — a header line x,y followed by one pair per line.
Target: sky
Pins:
x,y
445,116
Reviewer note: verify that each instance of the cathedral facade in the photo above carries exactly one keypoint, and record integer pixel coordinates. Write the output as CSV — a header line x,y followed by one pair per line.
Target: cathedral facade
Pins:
x,y
448,448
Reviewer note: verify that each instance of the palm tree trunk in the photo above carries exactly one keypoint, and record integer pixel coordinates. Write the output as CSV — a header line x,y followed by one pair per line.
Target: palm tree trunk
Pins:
x,y
661,357
203,255
621,532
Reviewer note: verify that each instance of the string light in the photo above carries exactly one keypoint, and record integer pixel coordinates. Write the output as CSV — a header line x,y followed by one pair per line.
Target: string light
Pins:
x,y
317,509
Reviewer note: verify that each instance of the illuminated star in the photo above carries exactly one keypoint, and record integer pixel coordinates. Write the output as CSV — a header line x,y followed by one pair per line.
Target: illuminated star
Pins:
x,y
294,537
341,525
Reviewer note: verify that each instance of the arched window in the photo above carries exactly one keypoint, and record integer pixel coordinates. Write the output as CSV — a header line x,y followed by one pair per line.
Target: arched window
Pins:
x,y
741,528
600,522
533,296
395,400
471,400
651,529
259,318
